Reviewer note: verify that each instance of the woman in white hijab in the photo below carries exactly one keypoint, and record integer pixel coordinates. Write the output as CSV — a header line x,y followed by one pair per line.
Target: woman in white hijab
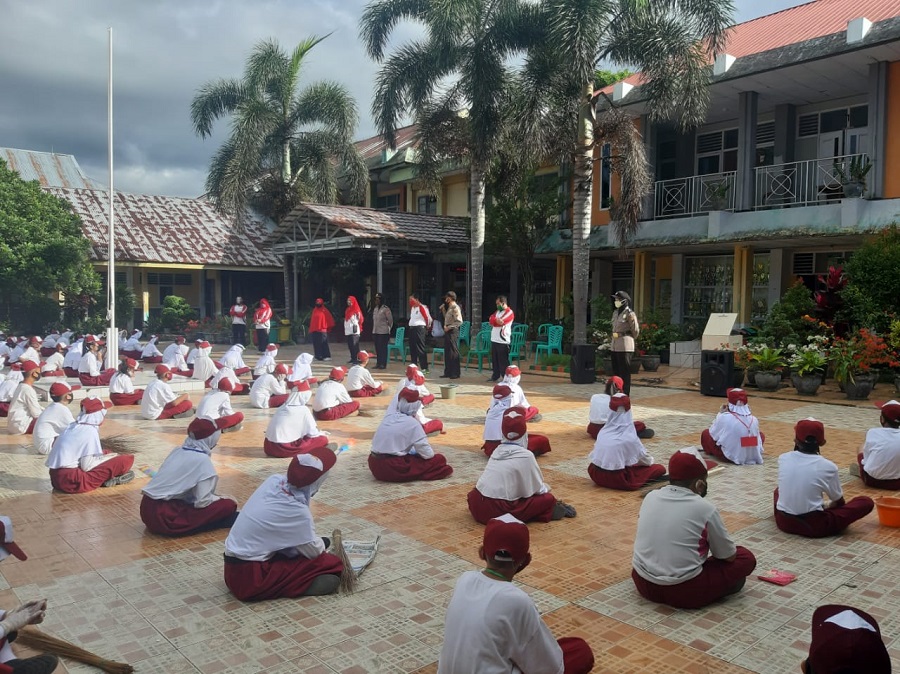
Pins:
x,y
77,461
734,435
501,400
620,460
302,370
234,359
204,367
293,429
266,362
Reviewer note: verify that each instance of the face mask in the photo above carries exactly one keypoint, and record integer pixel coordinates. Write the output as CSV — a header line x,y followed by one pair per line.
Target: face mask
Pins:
x,y
619,304
499,307
318,304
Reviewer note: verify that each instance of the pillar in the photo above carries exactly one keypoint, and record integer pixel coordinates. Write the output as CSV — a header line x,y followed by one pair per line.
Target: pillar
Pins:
x,y
878,97
785,133
642,281
742,293
776,275
745,181
563,284
202,293
677,287
379,266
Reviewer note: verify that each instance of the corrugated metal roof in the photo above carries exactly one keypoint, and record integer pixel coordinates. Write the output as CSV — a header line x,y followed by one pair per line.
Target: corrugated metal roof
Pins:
x,y
50,169
369,223
170,230
373,148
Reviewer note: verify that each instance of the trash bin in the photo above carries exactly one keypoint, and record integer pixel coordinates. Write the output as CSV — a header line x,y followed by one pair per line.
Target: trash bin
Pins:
x,y
582,368
273,336
284,332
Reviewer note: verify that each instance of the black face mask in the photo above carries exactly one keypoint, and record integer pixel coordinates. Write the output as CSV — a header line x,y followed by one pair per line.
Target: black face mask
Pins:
x,y
319,304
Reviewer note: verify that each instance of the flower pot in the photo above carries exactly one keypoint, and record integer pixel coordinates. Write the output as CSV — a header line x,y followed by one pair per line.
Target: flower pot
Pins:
x,y
650,362
768,381
635,365
751,376
606,364
737,378
854,189
859,386
807,384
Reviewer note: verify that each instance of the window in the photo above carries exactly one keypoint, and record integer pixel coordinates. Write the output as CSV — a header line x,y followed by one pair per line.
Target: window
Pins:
x,y
717,152
154,279
708,286
830,121
605,176
759,300
623,277
426,205
389,202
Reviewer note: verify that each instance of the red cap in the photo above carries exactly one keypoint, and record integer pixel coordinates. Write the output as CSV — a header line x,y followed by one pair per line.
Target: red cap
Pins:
x,y
161,369
92,405
807,429
225,384
513,425
337,373
410,395
686,464
411,371
201,428
506,539
737,396
302,385
204,345
281,368
617,382
513,371
272,347
30,365
846,640
363,356
890,410
6,539
419,379
309,467
131,363
619,401
89,339
501,391
36,338
60,388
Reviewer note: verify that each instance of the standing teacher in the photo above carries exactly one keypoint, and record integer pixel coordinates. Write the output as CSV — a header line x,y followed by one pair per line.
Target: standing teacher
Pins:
x,y
419,322
382,322
625,329
353,323
452,320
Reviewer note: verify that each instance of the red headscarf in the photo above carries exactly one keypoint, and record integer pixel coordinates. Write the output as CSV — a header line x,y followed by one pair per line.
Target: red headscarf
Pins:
x,y
321,319
264,313
354,309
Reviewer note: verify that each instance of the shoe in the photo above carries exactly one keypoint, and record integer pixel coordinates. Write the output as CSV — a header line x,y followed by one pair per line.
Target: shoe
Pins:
x,y
124,478
444,376
326,360
646,434
39,664
561,509
426,372
184,415
453,377
538,417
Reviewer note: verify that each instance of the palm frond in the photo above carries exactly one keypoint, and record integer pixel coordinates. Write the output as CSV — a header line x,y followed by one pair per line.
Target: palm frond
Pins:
x,y
328,104
268,71
215,99
577,28
315,152
381,17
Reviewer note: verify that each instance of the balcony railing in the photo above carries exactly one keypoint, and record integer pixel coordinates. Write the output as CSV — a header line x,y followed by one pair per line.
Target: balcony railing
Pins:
x,y
804,183
681,197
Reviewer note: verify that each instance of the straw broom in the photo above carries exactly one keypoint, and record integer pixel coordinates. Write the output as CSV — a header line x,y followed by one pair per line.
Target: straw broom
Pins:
x,y
348,575
120,444
41,641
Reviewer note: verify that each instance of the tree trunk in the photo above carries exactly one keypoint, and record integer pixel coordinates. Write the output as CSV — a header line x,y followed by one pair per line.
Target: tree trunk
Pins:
x,y
476,273
528,293
581,217
286,163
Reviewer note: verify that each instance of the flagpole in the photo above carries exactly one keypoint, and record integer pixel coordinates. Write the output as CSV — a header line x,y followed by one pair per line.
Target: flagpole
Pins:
x,y
112,335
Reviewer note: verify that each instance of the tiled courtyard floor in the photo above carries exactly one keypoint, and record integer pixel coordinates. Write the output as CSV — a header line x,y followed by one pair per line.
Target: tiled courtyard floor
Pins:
x,y
162,606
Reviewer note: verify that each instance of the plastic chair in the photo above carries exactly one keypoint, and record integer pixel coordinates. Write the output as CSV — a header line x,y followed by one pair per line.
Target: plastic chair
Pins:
x,y
520,327
465,333
554,342
398,345
434,352
516,346
542,331
481,351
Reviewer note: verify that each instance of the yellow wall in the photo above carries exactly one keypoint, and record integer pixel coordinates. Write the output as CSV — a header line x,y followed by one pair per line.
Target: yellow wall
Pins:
x,y
455,199
892,137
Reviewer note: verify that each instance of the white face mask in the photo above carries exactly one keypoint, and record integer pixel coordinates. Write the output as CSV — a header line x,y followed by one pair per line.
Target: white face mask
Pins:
x,y
619,304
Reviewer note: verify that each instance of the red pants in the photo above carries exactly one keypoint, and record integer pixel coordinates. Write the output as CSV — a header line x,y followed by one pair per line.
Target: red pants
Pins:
x,y
875,483
241,371
433,426
718,579
135,355
537,508
427,400
337,412
531,413
278,399
71,372
102,380
4,409
537,445
54,373
177,518
578,658
710,447
822,523
389,468
127,398
153,360
629,478
284,450
77,481
366,392
183,373
232,420
171,409
30,429
593,429
278,577
241,390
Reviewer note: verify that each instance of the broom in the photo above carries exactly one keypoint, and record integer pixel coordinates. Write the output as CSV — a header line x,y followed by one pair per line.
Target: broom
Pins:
x,y
120,444
41,641
348,575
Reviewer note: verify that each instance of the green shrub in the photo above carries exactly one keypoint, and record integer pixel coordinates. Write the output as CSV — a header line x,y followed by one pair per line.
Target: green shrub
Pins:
x,y
176,312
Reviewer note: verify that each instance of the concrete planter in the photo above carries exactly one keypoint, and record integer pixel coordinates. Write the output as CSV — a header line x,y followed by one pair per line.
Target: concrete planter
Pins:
x,y
769,382
807,384
859,387
650,363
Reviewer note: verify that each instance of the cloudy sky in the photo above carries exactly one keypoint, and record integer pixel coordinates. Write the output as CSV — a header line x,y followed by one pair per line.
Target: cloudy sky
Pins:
x,y
53,68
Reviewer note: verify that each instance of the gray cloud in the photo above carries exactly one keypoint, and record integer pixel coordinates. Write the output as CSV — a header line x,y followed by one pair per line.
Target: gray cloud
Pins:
x,y
53,74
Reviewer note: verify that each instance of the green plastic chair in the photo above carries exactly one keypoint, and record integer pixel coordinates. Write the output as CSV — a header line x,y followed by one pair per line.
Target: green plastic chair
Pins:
x,y
554,342
481,351
520,327
542,331
516,346
434,352
398,345
465,333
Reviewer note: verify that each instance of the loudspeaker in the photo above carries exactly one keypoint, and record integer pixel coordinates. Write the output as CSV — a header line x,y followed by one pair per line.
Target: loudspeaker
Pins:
x,y
716,372
582,367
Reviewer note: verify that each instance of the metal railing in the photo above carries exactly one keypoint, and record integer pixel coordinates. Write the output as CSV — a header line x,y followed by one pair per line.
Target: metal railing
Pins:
x,y
805,183
681,197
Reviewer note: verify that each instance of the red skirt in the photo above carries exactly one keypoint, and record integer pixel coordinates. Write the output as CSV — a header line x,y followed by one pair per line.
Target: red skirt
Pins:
x,y
127,398
171,409
77,481
177,518
710,447
152,359
870,481
433,426
337,412
71,372
389,468
241,371
537,445
366,392
278,577
537,508
278,399
47,351
629,478
54,373
102,380
823,523
285,450
309,380
134,355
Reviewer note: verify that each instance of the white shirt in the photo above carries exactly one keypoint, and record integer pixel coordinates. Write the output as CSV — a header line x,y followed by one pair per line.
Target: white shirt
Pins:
x,y
302,369
223,372
53,363
23,407
418,318
511,473
398,433
503,333
73,355
78,446
266,363
156,396
330,394
239,320
264,388
173,349
233,358
802,478
729,430
89,365
8,386
881,453
359,377
50,424
677,531
493,420
30,353
493,627
150,350
192,355
174,357
121,383
133,343
186,475
215,404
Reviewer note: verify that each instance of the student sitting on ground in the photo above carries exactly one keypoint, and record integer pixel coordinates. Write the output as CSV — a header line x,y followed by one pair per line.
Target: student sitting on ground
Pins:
x,y
360,383
89,372
216,404
24,407
845,640
226,372
132,348
879,461
8,387
204,367
161,402
331,400
512,378
599,411
55,418
234,359
293,429
302,370
121,386
501,401
193,353
270,389
73,357
150,354
53,366
174,357
266,362
734,435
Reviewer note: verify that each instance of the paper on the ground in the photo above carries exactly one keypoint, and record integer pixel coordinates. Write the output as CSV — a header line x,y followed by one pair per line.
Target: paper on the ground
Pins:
x,y
361,553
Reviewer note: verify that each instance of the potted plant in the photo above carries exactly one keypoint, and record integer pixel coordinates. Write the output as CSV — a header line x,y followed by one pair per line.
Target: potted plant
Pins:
x,y
855,360
717,194
769,362
894,342
808,369
853,177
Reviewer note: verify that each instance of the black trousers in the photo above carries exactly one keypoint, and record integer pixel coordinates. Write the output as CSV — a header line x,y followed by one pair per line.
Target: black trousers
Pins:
x,y
499,359
451,353
417,353
321,351
621,362
262,339
381,349
238,333
353,347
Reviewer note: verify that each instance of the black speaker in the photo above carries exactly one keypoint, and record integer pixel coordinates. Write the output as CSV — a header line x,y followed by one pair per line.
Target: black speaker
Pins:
x,y
582,367
716,372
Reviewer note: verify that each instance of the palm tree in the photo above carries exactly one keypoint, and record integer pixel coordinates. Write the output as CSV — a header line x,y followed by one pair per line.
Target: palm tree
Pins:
x,y
287,144
455,83
670,42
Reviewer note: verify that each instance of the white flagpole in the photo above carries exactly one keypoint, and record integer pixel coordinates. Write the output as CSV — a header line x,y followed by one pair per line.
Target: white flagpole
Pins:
x,y
112,335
